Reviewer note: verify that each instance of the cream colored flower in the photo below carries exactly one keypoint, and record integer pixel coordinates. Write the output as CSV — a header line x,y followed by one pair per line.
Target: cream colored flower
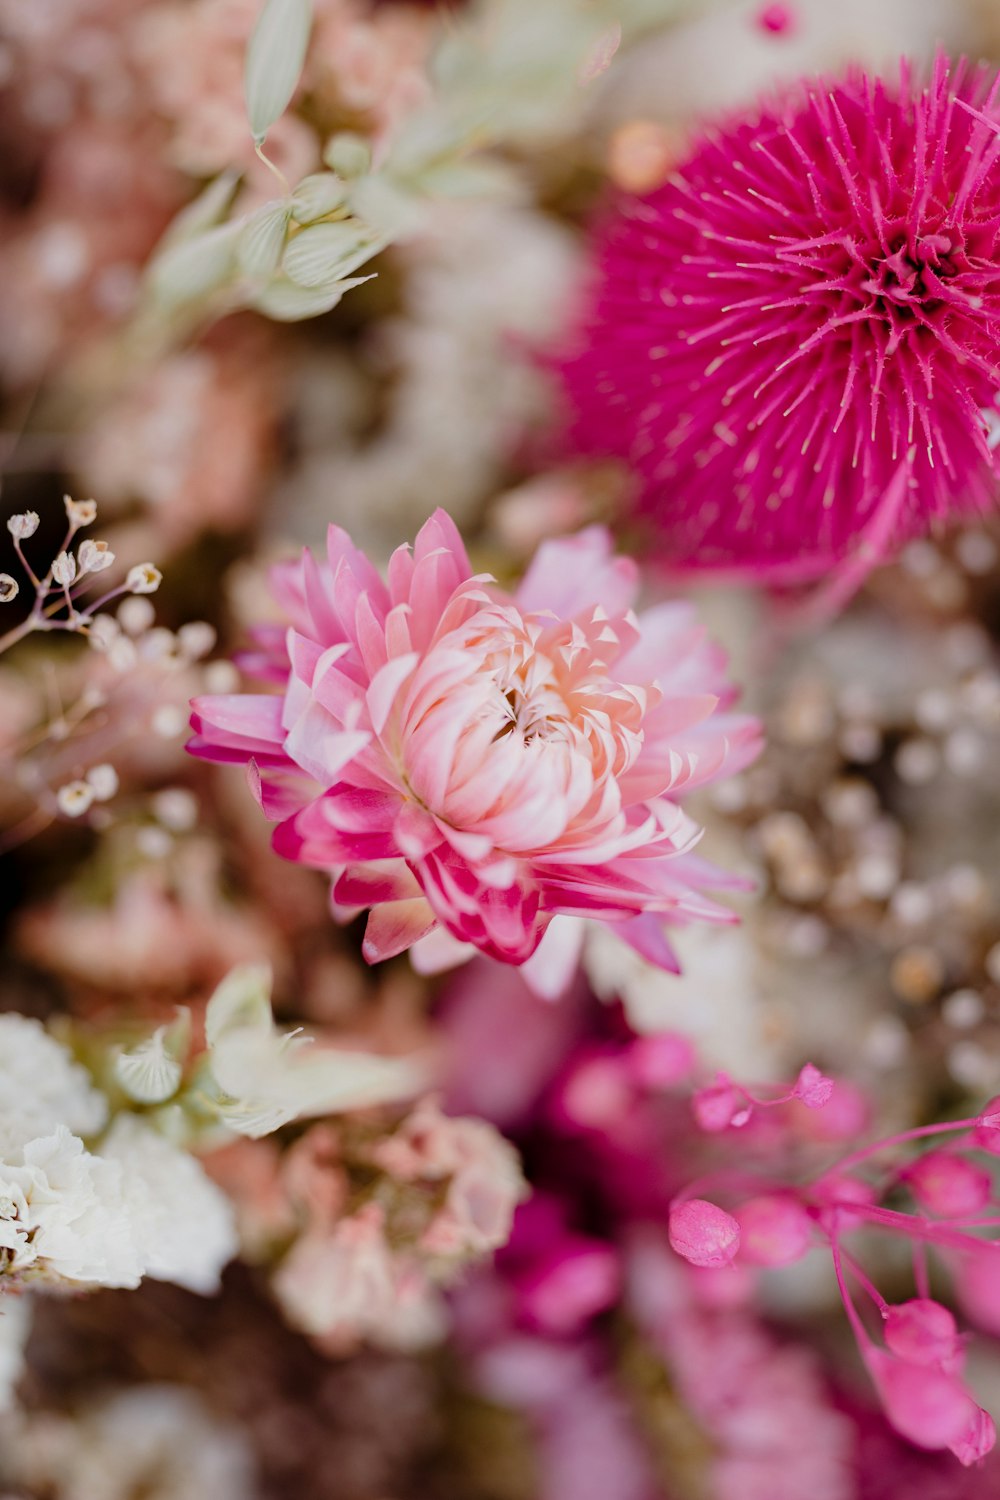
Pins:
x,y
182,1226
268,1078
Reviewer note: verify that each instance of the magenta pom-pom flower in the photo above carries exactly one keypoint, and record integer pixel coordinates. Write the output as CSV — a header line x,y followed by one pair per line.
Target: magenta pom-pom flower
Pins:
x,y
795,340
474,765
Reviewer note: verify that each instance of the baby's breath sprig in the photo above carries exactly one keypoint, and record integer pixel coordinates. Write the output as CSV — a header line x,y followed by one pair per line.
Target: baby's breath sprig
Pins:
x,y
58,591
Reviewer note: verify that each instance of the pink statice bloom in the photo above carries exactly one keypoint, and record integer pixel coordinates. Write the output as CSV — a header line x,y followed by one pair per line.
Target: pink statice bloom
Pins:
x,y
795,340
474,765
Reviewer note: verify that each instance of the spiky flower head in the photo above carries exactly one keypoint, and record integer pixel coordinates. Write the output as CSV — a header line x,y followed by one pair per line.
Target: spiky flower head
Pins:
x,y
795,340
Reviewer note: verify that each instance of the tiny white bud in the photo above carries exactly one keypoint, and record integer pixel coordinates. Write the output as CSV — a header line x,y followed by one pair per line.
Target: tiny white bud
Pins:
x,y
80,512
221,677
94,557
147,1073
176,808
74,798
104,631
168,721
122,654
348,154
135,615
196,639
23,525
158,644
154,843
64,569
143,579
103,781
9,588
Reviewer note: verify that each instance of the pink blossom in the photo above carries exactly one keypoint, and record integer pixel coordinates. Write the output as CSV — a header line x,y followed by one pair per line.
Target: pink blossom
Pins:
x,y
949,1185
927,1405
658,1062
795,340
773,1429
923,1332
977,1280
472,764
978,1438
719,1105
776,19
812,1087
703,1233
578,1278
775,1230
483,1173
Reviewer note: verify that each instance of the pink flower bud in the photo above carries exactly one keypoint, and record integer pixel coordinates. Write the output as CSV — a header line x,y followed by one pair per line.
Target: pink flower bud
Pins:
x,y
842,1118
775,1230
579,1279
948,1185
658,1062
723,1286
922,1332
977,1440
977,1282
597,1093
987,1132
925,1404
776,19
703,1233
720,1105
812,1087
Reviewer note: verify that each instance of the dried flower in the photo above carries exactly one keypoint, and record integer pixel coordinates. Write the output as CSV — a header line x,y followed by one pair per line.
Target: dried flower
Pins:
x,y
64,569
80,512
93,557
9,588
23,525
144,578
797,336
103,781
487,763
75,798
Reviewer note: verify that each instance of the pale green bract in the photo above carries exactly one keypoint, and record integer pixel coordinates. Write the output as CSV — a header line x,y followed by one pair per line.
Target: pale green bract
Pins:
x,y
286,302
268,1077
263,240
328,252
194,268
274,62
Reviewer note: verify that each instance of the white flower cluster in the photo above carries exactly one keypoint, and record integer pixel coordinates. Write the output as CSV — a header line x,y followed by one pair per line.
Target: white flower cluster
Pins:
x,y
105,1214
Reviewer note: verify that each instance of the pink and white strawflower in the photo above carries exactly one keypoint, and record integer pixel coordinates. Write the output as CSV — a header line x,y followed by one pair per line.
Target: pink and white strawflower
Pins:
x,y
475,765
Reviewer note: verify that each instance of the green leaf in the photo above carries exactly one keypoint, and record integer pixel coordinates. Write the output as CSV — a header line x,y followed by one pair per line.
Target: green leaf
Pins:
x,y
275,58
